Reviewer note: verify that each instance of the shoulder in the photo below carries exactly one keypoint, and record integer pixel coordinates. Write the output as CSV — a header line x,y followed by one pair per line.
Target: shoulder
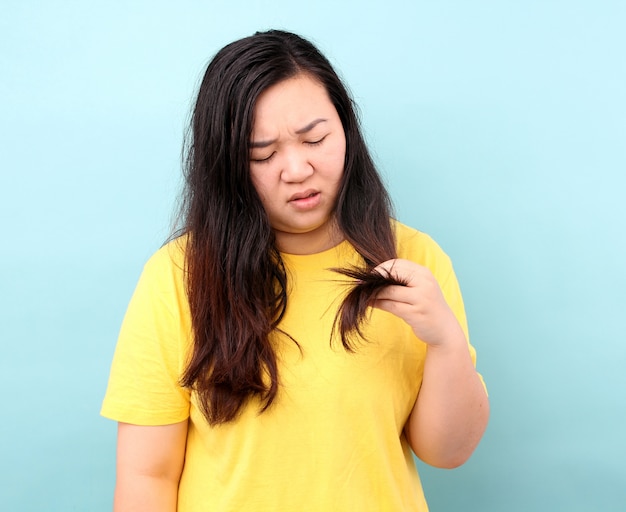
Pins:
x,y
164,271
171,254
419,247
422,249
169,259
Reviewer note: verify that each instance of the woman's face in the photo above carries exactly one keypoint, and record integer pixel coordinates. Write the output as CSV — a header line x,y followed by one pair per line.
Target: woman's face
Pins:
x,y
297,156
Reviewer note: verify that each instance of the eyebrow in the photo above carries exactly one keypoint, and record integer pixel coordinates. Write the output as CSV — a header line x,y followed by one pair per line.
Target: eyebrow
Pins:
x,y
300,131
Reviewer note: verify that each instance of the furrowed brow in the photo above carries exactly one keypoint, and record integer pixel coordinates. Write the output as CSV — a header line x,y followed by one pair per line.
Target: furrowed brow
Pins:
x,y
304,129
261,143
310,126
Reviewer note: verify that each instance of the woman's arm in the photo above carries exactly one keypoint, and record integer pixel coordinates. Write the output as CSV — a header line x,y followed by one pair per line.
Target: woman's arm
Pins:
x,y
149,464
451,411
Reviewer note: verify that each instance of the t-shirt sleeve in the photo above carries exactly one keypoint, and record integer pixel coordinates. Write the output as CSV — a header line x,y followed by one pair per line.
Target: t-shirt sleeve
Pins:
x,y
422,249
452,292
151,350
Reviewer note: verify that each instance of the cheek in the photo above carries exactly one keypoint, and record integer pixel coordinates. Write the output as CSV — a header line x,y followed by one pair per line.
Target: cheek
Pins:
x,y
263,189
341,155
257,182
340,164
334,161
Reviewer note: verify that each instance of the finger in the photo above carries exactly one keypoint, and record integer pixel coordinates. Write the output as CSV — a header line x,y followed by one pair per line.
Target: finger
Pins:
x,y
390,306
399,309
396,294
403,270
390,268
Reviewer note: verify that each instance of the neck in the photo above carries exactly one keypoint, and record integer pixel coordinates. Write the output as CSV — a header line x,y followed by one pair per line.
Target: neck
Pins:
x,y
314,242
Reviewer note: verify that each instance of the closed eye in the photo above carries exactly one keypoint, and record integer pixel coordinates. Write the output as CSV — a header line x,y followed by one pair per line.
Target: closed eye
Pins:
x,y
263,160
315,142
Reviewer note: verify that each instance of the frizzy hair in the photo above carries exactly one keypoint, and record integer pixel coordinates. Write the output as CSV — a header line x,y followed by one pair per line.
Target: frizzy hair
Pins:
x,y
235,278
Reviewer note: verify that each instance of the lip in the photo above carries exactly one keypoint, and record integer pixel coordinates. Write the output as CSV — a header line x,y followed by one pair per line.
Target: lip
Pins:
x,y
306,201
303,195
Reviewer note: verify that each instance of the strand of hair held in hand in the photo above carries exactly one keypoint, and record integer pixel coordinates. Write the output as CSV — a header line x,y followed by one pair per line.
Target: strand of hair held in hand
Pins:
x,y
352,312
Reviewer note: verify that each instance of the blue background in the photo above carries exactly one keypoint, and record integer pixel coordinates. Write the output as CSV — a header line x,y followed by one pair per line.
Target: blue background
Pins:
x,y
500,127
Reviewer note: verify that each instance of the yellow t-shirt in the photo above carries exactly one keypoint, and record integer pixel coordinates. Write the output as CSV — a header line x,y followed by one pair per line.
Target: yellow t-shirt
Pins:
x,y
333,438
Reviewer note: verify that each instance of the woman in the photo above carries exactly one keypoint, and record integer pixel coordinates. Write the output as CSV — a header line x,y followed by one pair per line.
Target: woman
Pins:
x,y
250,374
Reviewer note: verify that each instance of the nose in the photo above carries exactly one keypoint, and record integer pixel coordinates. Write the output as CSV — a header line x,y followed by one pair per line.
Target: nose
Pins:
x,y
296,166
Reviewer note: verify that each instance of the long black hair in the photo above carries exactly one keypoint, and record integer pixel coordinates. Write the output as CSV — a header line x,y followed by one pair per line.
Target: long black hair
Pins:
x,y
236,280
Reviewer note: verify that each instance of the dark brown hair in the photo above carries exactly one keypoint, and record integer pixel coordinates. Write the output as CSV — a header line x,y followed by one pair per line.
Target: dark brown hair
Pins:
x,y
352,313
236,280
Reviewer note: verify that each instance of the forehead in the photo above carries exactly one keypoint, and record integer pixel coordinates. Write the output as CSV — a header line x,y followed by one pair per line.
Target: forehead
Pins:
x,y
292,104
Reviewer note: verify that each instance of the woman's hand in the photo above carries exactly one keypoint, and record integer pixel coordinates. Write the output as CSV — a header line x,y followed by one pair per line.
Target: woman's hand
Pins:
x,y
420,303
451,410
